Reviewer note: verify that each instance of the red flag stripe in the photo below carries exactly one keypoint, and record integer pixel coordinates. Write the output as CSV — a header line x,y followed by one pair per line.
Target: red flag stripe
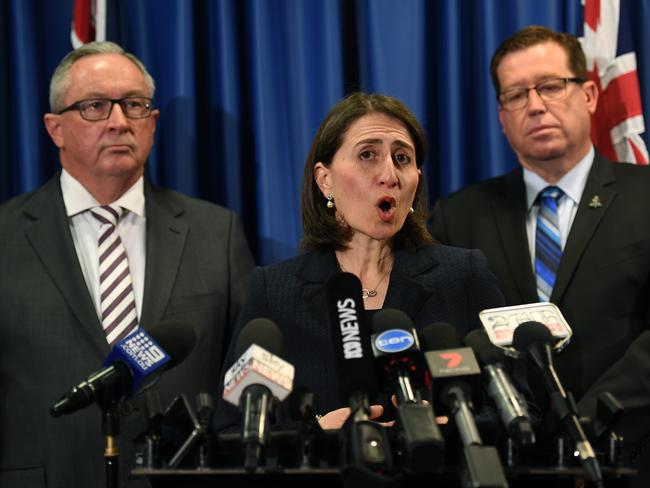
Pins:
x,y
639,157
592,13
82,22
621,99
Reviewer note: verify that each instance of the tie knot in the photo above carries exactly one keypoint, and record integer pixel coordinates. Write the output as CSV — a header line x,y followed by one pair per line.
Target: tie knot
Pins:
x,y
107,214
551,192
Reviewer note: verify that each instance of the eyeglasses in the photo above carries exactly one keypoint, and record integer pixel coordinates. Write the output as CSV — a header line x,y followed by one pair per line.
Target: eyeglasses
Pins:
x,y
548,90
100,108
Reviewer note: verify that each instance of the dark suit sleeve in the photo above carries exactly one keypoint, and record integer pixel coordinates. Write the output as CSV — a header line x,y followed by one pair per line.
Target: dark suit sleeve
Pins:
x,y
483,288
438,226
629,381
242,263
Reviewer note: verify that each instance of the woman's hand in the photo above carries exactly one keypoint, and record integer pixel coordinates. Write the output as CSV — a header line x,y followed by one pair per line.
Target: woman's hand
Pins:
x,y
336,418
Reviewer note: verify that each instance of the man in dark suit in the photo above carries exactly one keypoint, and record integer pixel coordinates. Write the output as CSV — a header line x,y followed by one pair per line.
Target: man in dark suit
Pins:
x,y
602,281
185,260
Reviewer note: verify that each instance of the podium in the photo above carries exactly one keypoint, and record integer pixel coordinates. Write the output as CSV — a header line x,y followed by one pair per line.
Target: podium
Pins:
x,y
520,477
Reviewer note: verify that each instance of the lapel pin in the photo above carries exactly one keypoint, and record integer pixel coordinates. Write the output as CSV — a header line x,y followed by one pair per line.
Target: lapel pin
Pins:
x,y
596,202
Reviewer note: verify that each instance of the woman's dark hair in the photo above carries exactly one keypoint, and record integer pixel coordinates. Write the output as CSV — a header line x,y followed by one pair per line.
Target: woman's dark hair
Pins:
x,y
322,229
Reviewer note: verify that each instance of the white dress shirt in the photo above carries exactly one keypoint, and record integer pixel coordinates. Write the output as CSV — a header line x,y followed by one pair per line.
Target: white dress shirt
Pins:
x,y
572,184
85,231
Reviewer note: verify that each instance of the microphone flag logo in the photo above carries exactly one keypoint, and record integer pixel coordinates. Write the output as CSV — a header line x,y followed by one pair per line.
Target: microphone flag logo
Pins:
x,y
453,359
394,340
452,362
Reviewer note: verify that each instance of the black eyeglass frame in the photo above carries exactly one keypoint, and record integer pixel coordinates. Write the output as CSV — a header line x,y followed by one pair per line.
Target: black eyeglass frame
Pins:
x,y
566,81
120,101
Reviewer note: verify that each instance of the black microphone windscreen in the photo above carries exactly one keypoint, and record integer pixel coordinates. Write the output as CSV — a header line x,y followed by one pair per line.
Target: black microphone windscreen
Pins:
x,y
350,336
438,336
486,352
177,339
530,333
389,318
262,332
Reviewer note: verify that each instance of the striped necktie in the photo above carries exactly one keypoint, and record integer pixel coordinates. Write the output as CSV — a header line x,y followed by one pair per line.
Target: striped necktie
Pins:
x,y
119,314
548,245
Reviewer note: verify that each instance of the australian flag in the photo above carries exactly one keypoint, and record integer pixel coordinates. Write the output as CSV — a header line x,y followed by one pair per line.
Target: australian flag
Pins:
x,y
618,122
88,22
98,20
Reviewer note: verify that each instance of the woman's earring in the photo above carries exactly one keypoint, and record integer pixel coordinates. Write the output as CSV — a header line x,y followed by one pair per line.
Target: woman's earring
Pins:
x,y
412,210
330,201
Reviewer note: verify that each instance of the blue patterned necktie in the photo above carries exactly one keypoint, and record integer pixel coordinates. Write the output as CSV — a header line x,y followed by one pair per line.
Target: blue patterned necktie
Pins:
x,y
548,246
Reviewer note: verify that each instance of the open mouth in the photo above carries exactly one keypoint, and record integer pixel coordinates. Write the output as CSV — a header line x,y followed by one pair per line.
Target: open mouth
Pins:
x,y
386,205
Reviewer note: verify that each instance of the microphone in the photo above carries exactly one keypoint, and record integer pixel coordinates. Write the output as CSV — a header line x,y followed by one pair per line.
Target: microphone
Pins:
x,y
400,362
454,371
396,349
257,378
510,403
364,443
133,365
500,324
535,341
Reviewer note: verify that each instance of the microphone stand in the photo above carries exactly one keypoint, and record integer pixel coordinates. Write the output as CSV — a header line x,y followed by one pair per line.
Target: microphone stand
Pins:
x,y
111,430
108,401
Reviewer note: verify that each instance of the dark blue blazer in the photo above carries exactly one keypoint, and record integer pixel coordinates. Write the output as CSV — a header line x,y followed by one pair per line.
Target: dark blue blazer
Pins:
x,y
434,283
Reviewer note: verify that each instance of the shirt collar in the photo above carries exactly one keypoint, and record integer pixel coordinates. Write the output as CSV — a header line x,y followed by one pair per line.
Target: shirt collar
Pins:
x,y
572,184
77,199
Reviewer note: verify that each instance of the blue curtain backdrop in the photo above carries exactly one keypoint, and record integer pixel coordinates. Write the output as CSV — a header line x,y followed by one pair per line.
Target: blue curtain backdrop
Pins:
x,y
244,84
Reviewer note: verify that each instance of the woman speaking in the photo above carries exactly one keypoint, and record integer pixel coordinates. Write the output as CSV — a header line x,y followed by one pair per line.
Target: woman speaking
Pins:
x,y
364,206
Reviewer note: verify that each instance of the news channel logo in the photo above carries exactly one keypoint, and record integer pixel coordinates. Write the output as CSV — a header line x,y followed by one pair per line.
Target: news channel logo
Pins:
x,y
394,340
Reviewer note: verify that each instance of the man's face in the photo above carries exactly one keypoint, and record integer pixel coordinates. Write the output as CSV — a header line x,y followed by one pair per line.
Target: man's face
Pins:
x,y
549,136
115,148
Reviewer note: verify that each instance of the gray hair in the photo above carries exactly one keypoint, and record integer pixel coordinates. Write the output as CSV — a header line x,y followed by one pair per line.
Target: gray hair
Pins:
x,y
60,81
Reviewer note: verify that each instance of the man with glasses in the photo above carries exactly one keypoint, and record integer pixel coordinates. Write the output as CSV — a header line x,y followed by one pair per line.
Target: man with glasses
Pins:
x,y
568,226
93,255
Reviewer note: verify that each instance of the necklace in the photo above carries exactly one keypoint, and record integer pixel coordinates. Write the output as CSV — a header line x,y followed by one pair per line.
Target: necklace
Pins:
x,y
368,292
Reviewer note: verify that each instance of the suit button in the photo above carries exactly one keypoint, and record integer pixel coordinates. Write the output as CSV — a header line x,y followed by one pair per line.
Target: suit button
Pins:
x,y
126,408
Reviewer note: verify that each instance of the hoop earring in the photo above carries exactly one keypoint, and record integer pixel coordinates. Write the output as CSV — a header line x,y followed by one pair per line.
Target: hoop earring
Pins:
x,y
330,201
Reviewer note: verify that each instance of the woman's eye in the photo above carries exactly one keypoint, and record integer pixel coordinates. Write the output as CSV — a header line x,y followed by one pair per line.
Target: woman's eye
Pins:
x,y
402,158
366,155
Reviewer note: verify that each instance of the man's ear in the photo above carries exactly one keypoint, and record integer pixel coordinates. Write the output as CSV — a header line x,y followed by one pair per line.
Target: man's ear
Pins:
x,y
501,116
53,126
591,95
323,178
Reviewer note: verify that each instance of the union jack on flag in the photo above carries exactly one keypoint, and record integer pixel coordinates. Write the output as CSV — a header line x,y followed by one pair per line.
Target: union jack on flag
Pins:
x,y
618,122
88,22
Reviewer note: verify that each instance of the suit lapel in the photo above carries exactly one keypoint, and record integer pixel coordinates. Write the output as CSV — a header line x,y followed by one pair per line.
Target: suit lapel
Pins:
x,y
509,213
406,291
49,235
315,270
586,222
166,235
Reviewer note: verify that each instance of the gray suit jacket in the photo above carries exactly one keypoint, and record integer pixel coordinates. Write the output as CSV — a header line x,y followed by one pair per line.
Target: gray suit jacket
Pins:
x,y
603,283
196,271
